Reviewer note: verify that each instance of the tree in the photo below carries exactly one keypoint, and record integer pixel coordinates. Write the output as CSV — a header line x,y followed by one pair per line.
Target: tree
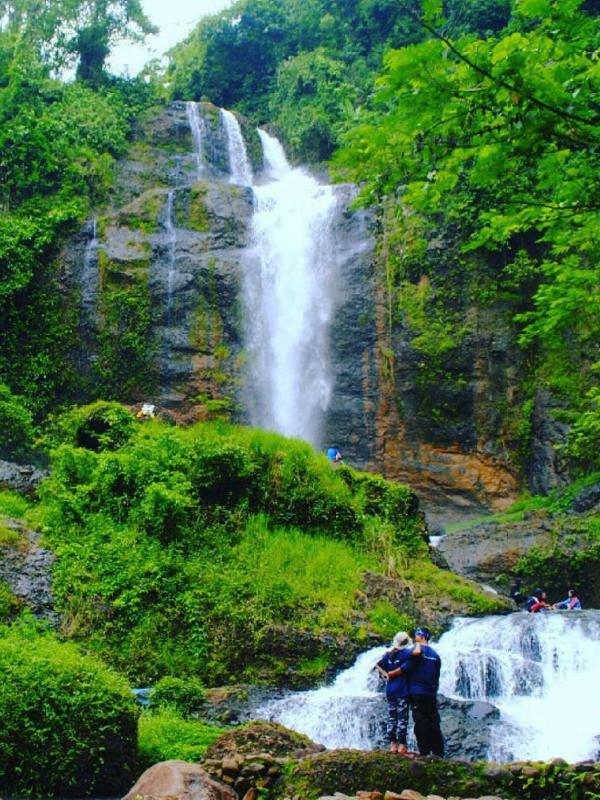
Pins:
x,y
64,32
498,137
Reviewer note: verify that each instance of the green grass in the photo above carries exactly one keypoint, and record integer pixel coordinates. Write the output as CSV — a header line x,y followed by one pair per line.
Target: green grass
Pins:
x,y
318,574
13,504
9,537
164,735
385,620
441,582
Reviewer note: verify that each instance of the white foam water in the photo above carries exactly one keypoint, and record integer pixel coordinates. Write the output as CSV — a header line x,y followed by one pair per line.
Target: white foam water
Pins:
x,y
289,291
239,163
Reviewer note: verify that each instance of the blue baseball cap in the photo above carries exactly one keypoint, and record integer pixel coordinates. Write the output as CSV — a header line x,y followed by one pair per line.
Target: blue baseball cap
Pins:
x,y
424,632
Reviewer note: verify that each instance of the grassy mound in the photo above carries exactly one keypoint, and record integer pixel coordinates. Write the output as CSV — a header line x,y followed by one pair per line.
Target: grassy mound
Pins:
x,y
195,551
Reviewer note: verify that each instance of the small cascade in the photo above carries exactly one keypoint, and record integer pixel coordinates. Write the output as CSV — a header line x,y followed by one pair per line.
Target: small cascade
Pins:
x,y
196,129
540,670
337,716
90,278
289,292
239,163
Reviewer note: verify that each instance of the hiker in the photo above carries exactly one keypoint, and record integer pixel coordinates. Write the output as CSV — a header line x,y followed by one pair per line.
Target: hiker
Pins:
x,y
423,671
147,411
515,592
334,455
396,690
572,603
537,602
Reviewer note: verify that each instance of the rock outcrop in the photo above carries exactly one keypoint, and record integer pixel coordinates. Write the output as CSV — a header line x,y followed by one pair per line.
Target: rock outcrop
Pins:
x,y
26,567
24,478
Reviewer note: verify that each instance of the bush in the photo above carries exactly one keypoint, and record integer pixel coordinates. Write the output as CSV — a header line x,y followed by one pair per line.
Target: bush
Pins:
x,y
68,722
16,425
102,425
186,696
164,735
9,604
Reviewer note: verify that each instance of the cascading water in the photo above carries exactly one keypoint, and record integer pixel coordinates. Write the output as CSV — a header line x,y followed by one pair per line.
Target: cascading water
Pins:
x,y
540,671
239,163
171,246
196,129
90,279
289,298
337,716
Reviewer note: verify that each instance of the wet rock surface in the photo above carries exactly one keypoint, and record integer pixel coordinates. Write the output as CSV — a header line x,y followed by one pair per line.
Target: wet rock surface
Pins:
x,y
23,478
178,780
26,567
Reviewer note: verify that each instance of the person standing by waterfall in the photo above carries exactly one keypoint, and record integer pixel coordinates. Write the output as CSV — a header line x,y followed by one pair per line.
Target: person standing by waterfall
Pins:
x,y
423,672
396,690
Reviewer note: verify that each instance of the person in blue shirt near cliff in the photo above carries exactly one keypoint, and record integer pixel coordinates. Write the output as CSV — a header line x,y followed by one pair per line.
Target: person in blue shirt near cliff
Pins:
x,y
423,673
572,603
334,455
397,690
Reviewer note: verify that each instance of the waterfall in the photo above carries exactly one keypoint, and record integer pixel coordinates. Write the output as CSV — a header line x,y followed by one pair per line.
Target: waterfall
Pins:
x,y
289,298
171,245
239,163
540,671
90,279
196,129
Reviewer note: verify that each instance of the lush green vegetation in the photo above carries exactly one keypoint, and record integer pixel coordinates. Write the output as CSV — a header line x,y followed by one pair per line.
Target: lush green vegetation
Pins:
x,y
68,723
164,735
59,142
196,552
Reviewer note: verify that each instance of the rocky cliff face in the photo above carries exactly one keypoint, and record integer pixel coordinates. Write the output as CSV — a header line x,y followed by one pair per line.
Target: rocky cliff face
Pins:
x,y
158,279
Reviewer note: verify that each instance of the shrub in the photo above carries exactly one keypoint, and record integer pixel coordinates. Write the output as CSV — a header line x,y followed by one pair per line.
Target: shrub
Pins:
x,y
68,722
102,425
16,424
186,696
9,604
165,734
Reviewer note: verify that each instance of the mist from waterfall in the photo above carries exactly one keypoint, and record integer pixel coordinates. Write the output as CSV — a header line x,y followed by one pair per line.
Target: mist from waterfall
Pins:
x,y
90,277
289,282
540,670
239,163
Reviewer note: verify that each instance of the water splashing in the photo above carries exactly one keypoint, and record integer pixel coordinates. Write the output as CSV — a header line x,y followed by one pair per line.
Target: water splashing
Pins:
x,y
239,163
196,128
289,298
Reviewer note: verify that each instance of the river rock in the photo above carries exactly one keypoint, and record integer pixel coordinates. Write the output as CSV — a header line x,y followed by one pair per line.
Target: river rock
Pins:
x,y
261,736
178,780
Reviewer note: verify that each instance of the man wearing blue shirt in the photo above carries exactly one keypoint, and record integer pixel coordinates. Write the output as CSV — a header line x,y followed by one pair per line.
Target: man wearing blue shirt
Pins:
x,y
423,673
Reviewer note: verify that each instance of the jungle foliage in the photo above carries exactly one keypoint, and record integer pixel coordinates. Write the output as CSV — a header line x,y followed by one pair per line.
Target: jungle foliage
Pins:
x,y
58,142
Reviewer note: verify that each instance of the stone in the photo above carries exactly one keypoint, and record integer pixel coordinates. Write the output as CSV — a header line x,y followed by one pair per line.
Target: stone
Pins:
x,y
531,772
263,741
391,796
251,794
411,794
587,499
178,780
23,478
230,765
434,797
369,795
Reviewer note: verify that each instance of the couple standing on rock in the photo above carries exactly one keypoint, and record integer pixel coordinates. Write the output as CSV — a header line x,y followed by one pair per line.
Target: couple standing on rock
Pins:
x,y
412,672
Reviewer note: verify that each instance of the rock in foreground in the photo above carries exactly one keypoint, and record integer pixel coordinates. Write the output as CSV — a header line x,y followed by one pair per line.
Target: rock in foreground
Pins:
x,y
178,780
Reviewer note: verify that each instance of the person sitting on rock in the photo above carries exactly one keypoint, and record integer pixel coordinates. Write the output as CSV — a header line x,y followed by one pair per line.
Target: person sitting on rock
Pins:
x,y
397,690
572,603
537,602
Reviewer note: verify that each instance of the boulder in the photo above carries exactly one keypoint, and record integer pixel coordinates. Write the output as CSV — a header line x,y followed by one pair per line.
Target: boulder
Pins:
x,y
20,477
178,780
